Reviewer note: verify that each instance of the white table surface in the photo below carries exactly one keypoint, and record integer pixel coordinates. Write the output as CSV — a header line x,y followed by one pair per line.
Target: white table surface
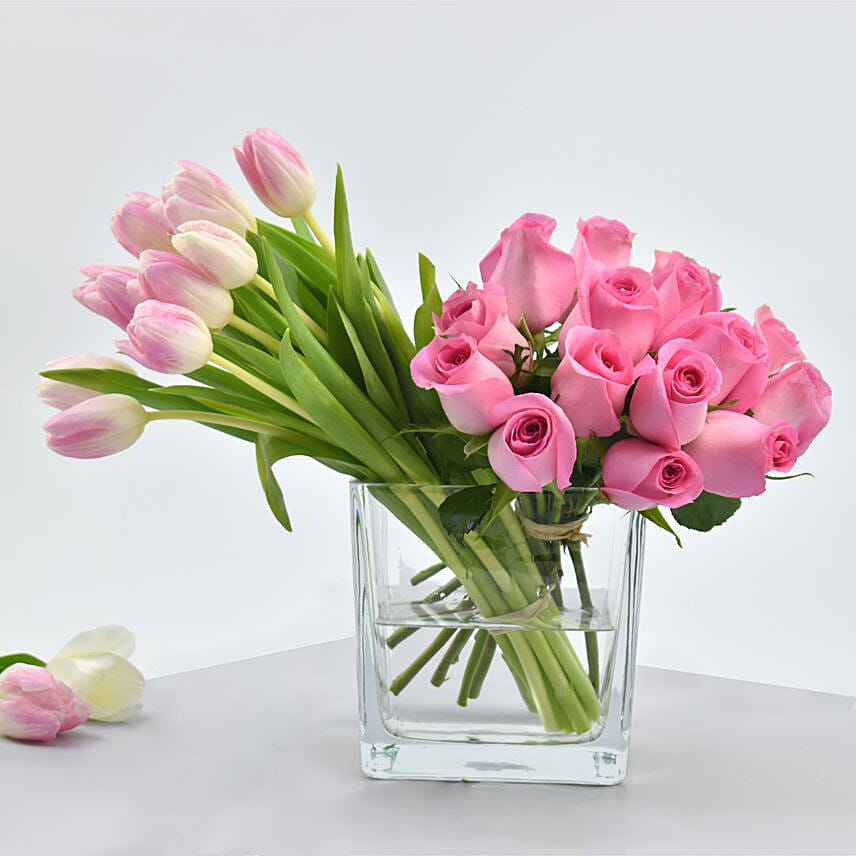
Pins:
x,y
260,757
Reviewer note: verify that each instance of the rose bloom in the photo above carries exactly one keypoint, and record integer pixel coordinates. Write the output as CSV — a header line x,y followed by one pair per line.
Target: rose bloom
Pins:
x,y
483,314
606,241
782,345
534,444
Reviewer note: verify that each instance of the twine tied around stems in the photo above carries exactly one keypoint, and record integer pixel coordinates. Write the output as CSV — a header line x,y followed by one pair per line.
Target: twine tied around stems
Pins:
x,y
569,531
525,615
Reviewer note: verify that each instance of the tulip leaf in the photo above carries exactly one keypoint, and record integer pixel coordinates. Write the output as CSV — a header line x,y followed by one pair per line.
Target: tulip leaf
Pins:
x,y
462,511
432,303
706,511
657,518
377,276
27,659
302,230
305,255
266,457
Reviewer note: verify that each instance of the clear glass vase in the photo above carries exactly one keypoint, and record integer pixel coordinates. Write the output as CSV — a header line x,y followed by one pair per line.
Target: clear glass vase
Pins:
x,y
504,654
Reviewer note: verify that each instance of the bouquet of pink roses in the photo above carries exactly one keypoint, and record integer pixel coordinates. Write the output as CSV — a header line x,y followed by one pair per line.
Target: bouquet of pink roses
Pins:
x,y
560,371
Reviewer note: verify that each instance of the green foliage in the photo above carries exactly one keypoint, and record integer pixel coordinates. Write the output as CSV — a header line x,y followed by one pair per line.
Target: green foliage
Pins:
x,y
462,511
656,517
705,512
268,452
11,659
432,303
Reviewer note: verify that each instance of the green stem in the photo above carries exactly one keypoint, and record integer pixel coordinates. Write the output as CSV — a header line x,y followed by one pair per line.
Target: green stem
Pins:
x,y
398,636
472,664
483,666
453,652
421,661
319,233
427,573
270,342
575,549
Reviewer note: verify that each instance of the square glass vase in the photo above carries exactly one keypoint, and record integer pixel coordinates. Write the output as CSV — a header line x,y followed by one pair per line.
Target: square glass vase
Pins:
x,y
504,654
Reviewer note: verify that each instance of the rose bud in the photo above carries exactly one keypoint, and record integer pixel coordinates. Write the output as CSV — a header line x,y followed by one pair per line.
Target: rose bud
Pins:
x,y
197,193
62,395
534,444
220,253
483,314
669,404
605,241
591,382
279,176
167,338
171,278
800,395
686,290
111,291
95,665
36,706
618,299
638,475
468,383
782,344
538,278
737,350
140,224
735,452
96,427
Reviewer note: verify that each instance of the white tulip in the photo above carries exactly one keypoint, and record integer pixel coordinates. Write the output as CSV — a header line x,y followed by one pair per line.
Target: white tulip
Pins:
x,y
95,665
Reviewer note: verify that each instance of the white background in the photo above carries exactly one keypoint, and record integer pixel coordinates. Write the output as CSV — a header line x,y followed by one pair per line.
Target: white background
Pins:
x,y
725,131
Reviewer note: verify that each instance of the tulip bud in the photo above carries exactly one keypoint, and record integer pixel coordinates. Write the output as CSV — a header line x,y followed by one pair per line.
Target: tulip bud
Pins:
x,y
36,706
96,427
140,224
63,395
219,252
167,338
95,665
171,278
197,193
276,172
111,291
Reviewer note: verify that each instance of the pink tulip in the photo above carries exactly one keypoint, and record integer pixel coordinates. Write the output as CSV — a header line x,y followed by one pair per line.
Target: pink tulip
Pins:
x,y
592,380
483,314
782,345
220,253
167,338
686,290
140,224
197,193
111,291
534,444
468,383
618,299
63,395
669,404
36,706
800,395
638,475
96,427
735,452
737,350
279,176
538,278
606,241
171,278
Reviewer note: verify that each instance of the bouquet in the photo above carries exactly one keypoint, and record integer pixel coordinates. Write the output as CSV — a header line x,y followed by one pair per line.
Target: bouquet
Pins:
x,y
564,380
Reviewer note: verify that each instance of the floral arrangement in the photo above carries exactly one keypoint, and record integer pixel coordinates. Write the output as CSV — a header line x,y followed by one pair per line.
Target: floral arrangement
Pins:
x,y
561,368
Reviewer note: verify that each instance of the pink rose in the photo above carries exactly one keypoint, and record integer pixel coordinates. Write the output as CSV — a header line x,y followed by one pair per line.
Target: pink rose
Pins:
x,y
639,475
618,299
483,314
782,344
534,446
738,351
735,452
669,404
591,382
800,395
468,383
686,290
538,278
604,241
36,706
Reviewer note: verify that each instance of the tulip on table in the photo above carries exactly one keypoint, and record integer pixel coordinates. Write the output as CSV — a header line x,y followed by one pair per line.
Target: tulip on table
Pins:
x,y
570,366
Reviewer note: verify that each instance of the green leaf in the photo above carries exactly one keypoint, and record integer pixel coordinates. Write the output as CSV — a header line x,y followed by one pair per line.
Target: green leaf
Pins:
x,y
432,303
474,444
250,357
705,512
11,659
503,496
656,517
266,457
377,276
462,511
339,345
305,255
302,230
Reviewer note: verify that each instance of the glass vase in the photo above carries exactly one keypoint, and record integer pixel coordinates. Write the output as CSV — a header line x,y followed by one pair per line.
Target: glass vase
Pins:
x,y
505,653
